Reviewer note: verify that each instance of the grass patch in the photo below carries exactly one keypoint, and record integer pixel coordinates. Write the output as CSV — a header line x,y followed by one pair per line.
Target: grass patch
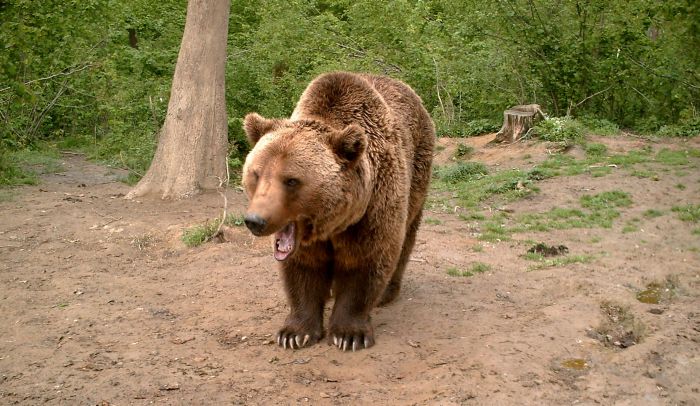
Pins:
x,y
689,212
562,164
596,150
631,158
601,212
606,200
470,183
200,234
645,174
538,173
433,221
600,171
11,174
533,256
495,230
463,151
472,216
631,226
461,172
652,213
556,262
476,268
566,218
24,167
671,157
597,163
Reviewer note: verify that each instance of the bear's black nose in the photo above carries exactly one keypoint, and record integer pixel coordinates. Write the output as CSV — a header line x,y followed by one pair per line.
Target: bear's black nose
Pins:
x,y
255,223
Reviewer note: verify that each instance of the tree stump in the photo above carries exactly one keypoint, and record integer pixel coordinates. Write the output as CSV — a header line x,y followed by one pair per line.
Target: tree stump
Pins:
x,y
517,121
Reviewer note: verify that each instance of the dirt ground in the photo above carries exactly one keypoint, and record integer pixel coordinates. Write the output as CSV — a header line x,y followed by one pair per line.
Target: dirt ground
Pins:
x,y
101,303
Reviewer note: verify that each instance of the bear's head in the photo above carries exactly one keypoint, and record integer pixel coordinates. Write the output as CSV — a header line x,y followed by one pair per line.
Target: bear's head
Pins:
x,y
304,180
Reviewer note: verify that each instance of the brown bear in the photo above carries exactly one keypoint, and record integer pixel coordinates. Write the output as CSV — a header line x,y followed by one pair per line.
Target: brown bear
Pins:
x,y
341,185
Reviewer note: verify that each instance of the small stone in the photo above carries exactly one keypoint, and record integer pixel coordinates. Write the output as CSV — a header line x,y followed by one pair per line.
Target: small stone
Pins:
x,y
413,344
170,386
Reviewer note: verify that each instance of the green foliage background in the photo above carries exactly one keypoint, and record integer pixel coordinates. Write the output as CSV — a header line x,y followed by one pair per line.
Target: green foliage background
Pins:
x,y
68,74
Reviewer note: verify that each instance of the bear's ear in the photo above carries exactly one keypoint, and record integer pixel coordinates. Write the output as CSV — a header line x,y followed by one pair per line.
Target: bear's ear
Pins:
x,y
256,126
349,144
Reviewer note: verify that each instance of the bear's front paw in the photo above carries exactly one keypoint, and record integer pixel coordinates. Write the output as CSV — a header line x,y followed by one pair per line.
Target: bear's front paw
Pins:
x,y
352,337
295,339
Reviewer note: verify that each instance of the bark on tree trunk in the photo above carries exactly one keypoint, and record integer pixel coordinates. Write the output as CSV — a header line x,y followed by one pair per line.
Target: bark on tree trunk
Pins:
x,y
133,41
191,153
517,121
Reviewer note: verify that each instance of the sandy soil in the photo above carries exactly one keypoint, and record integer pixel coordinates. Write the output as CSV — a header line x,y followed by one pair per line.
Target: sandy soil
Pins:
x,y
102,304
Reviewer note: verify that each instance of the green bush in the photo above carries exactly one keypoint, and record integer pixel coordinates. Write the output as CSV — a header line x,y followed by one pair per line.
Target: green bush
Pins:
x,y
690,128
481,126
111,97
559,129
599,126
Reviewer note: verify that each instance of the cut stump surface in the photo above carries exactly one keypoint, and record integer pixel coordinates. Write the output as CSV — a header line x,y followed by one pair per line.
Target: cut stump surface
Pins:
x,y
517,121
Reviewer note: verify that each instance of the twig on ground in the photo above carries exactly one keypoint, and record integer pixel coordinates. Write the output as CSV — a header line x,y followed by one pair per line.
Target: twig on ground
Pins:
x,y
222,183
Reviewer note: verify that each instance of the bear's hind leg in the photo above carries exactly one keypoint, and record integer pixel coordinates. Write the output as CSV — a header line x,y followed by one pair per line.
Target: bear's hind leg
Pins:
x,y
394,286
307,278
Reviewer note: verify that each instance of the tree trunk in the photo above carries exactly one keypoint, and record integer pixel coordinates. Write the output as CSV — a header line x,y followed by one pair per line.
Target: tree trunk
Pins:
x,y
517,121
191,153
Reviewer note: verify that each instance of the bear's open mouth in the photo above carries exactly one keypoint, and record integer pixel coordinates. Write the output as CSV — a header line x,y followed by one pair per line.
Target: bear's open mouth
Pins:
x,y
285,242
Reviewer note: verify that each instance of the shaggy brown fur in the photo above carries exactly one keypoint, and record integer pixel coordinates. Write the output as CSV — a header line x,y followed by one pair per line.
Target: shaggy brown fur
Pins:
x,y
342,184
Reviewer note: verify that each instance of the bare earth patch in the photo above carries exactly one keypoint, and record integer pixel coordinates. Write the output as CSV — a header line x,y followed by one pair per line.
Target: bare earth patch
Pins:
x,y
103,304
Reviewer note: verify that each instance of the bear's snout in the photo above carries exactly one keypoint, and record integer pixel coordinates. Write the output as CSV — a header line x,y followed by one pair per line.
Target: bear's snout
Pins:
x,y
255,224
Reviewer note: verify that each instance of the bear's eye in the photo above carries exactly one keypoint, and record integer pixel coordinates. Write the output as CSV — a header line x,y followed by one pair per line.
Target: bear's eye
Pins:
x,y
291,182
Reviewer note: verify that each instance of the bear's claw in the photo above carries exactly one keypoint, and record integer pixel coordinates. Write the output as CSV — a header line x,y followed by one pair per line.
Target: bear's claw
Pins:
x,y
352,342
292,341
